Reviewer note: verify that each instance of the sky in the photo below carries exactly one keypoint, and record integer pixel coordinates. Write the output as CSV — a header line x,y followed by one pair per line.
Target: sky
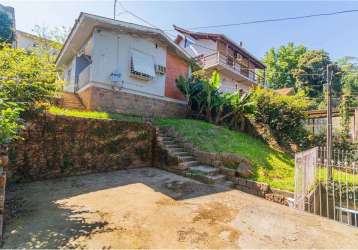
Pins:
x,y
338,35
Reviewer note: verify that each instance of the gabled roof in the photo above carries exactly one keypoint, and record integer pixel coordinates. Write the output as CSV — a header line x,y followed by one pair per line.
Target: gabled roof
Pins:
x,y
216,37
32,36
86,23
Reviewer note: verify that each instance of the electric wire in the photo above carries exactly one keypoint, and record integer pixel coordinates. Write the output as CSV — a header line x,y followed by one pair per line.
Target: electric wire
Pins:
x,y
273,20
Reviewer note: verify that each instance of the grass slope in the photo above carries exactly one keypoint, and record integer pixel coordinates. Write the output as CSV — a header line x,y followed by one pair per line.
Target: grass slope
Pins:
x,y
270,166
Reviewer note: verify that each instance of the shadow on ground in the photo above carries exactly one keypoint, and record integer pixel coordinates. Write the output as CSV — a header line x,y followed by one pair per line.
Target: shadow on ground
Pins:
x,y
60,225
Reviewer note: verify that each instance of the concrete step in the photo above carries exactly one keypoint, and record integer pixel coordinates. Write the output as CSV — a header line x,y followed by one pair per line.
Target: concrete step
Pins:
x,y
165,138
177,149
72,101
186,158
205,169
174,147
181,153
209,179
167,143
190,163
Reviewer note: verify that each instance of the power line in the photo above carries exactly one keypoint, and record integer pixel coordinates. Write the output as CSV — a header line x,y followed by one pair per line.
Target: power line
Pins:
x,y
272,20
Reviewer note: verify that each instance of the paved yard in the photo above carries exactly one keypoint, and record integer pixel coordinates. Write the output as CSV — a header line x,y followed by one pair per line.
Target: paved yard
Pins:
x,y
150,208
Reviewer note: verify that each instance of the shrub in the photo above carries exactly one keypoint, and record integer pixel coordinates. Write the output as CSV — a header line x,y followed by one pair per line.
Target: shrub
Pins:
x,y
10,121
283,114
26,78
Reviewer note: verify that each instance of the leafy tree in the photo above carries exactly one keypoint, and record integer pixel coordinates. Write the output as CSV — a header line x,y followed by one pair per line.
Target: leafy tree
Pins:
x,y
190,89
348,73
26,78
281,64
283,114
50,41
6,32
311,73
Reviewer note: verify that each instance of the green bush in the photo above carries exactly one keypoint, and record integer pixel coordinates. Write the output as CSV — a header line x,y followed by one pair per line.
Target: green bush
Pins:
x,y
283,114
10,121
26,80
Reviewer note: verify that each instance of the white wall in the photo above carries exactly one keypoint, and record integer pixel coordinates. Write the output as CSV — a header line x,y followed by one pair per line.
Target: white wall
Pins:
x,y
230,85
200,46
111,52
24,42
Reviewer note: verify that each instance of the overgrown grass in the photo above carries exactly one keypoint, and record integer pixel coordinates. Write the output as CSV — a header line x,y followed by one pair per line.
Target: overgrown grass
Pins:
x,y
94,114
270,166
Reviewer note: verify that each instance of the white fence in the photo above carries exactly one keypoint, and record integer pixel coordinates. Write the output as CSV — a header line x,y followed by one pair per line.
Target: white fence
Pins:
x,y
328,188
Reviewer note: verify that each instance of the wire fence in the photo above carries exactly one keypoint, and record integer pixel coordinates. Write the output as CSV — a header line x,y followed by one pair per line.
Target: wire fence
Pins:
x,y
328,187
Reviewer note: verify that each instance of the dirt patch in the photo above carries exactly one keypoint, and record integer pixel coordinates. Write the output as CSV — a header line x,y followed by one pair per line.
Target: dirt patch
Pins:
x,y
215,212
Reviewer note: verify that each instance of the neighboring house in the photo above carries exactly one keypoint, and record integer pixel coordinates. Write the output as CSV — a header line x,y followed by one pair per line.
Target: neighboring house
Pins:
x,y
27,41
237,67
316,123
285,91
123,67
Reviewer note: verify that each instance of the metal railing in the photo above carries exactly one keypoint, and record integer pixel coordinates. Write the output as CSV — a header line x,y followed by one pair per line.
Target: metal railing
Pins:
x,y
328,188
83,77
218,58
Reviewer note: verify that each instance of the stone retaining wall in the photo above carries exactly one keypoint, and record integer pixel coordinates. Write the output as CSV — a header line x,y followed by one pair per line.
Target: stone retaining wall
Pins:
x,y
57,146
264,190
3,169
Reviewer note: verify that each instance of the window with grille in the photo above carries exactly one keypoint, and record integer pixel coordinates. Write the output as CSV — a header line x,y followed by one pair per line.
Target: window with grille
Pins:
x,y
160,69
141,65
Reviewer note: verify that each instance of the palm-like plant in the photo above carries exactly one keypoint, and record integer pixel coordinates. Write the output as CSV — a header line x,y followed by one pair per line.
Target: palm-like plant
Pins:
x,y
239,105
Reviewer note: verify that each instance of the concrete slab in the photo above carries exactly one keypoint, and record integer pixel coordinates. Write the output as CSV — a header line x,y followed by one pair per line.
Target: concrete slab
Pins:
x,y
150,208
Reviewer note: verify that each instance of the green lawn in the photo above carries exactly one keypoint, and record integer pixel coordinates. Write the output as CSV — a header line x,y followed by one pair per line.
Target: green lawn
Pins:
x,y
94,114
270,166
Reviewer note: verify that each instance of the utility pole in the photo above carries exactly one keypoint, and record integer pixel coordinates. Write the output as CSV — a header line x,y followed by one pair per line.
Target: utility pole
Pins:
x,y
114,9
329,121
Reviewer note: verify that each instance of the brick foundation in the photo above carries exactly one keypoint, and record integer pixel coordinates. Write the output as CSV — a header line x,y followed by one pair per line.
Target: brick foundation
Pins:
x,y
100,99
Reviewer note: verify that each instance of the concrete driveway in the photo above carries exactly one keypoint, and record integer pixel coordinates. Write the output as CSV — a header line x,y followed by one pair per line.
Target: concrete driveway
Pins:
x,y
150,208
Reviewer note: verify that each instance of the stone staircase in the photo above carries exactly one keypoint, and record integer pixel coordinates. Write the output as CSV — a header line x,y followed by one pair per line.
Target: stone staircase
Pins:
x,y
188,165
72,101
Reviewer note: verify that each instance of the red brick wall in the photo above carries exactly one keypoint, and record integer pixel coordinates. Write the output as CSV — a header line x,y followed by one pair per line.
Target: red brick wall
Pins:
x,y
175,67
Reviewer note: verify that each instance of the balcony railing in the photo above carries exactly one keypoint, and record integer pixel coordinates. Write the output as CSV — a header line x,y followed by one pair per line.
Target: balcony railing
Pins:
x,y
83,77
228,61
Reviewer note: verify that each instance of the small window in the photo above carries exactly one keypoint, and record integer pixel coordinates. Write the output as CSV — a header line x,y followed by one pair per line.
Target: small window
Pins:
x,y
142,65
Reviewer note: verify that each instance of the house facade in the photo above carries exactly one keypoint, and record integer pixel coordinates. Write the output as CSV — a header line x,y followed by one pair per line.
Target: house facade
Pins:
x,y
237,67
316,123
122,67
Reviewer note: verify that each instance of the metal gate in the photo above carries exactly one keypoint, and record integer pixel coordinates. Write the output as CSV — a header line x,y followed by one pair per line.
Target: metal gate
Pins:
x,y
328,189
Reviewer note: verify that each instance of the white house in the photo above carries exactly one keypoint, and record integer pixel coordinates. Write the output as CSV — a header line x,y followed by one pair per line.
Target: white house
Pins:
x,y
237,66
123,67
